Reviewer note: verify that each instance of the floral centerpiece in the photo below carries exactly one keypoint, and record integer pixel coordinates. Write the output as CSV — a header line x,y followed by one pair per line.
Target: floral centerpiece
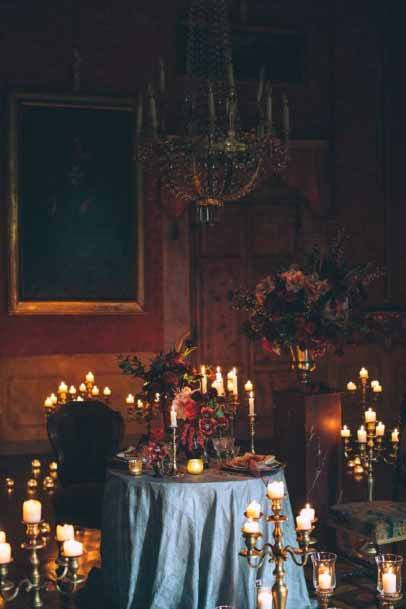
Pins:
x,y
312,307
171,381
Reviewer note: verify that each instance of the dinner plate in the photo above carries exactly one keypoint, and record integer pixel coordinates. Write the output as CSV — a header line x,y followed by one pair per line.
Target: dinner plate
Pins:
x,y
246,470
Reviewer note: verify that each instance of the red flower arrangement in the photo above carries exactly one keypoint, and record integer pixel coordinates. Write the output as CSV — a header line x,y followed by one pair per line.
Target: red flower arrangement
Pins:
x,y
317,305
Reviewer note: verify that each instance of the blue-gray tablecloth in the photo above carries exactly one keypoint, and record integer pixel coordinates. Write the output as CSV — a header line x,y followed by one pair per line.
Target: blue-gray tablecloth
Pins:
x,y
174,544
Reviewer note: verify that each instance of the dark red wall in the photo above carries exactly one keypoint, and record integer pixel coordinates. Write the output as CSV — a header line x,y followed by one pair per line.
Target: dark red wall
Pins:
x,y
341,100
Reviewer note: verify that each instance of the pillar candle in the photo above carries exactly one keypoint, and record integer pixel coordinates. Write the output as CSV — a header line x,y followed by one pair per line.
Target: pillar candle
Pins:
x,y
389,582
64,532
219,382
71,547
32,511
249,387
362,434
48,403
251,526
89,378
5,553
276,490
370,416
345,432
253,509
324,581
308,512
380,429
395,435
264,599
2,537
303,523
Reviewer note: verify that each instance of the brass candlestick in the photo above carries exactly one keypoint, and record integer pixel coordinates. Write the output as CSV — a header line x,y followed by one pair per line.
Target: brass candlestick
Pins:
x,y
324,599
389,601
67,577
251,418
277,551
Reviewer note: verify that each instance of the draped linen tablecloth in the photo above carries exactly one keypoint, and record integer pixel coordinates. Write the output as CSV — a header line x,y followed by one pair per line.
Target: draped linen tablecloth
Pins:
x,y
174,544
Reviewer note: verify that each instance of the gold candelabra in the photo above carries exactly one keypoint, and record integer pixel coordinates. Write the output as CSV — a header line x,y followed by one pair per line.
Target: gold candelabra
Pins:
x,y
66,580
87,390
277,551
369,448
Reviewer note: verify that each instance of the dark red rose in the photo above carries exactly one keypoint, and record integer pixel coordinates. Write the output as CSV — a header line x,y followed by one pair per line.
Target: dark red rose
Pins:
x,y
157,434
207,426
191,410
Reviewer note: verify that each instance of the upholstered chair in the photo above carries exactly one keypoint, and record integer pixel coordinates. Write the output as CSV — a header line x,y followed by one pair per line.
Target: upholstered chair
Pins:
x,y
85,436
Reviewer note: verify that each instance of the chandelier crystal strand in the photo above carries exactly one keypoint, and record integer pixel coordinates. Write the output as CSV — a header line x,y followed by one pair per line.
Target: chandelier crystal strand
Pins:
x,y
210,159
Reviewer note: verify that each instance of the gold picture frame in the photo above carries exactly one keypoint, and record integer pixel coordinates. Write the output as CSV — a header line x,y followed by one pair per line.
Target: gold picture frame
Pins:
x,y
99,194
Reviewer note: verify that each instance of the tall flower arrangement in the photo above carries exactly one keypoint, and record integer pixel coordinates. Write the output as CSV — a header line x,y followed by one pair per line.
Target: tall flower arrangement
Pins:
x,y
318,304
171,381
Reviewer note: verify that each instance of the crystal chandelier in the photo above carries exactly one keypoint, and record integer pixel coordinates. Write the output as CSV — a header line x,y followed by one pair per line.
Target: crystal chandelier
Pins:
x,y
210,159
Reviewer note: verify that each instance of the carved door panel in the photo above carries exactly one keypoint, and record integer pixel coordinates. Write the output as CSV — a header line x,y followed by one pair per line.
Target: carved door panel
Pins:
x,y
252,239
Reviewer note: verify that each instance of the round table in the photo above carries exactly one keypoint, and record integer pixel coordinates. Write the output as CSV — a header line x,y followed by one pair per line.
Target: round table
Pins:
x,y
174,543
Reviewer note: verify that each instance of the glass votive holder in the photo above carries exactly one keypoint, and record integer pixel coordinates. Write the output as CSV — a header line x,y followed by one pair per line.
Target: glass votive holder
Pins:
x,y
263,595
389,580
324,572
135,467
195,466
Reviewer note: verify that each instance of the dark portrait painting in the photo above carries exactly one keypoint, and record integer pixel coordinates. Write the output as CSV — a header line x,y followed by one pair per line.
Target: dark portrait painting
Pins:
x,y
75,195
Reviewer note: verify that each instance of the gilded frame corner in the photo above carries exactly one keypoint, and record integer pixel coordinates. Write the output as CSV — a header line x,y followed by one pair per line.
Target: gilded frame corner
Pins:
x,y
19,306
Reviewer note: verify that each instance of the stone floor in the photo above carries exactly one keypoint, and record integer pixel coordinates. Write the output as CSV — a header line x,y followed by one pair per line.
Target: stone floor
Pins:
x,y
352,592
